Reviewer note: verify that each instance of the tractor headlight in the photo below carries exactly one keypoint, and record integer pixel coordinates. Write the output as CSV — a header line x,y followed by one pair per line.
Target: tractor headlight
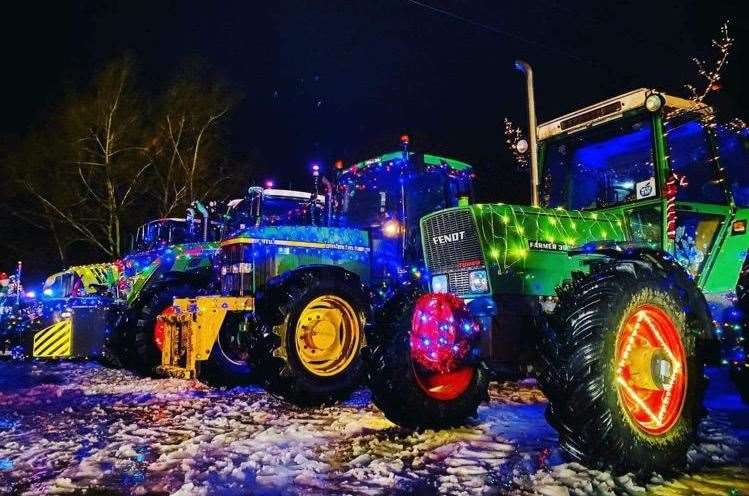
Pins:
x,y
654,102
478,281
237,268
439,284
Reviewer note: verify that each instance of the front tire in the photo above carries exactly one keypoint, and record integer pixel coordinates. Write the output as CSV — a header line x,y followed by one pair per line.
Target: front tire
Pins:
x,y
620,365
409,395
311,332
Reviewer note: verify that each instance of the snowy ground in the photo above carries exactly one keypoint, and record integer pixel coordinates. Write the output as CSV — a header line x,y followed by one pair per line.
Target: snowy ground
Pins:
x,y
71,426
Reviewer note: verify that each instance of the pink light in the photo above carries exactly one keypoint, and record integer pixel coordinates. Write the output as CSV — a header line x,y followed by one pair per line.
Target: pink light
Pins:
x,y
269,183
442,332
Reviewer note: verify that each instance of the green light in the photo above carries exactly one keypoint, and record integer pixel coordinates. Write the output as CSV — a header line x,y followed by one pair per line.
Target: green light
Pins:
x,y
520,252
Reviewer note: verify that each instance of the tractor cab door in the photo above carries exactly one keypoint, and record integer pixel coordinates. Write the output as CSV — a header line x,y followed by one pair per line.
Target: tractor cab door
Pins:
x,y
701,214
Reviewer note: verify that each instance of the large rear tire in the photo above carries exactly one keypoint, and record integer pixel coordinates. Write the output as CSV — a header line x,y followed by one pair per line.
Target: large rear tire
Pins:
x,y
621,365
307,347
406,393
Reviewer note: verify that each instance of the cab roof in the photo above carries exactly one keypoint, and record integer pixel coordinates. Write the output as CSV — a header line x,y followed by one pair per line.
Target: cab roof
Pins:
x,y
608,110
428,160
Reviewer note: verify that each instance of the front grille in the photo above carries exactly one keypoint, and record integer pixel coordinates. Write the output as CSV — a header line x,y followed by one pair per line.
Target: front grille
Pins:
x,y
458,282
236,269
452,247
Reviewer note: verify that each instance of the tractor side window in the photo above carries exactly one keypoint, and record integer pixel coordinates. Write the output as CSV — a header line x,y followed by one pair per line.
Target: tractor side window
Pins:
x,y
690,156
734,158
600,167
646,225
695,235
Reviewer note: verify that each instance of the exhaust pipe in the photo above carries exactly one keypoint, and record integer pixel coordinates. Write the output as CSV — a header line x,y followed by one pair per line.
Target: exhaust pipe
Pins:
x,y
206,218
526,69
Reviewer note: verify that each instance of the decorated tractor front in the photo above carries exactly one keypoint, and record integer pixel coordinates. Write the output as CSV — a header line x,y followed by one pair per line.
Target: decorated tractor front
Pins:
x,y
288,298
94,310
600,293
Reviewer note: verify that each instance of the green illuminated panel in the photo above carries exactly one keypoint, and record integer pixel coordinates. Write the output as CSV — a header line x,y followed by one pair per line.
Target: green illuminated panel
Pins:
x,y
526,248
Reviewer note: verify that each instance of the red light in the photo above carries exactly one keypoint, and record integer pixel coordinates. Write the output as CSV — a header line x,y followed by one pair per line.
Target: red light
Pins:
x,y
339,164
442,332
159,327
739,227
405,139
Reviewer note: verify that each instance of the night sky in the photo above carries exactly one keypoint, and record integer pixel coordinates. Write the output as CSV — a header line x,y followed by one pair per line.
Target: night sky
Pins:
x,y
327,80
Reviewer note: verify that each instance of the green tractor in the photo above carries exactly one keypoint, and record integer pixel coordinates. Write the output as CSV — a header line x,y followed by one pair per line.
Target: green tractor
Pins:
x,y
93,310
612,291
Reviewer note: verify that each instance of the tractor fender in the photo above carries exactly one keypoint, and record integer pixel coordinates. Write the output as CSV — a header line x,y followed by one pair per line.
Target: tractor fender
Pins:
x,y
637,258
316,272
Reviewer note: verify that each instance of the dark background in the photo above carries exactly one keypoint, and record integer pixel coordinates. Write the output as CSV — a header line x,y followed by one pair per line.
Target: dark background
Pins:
x,y
326,79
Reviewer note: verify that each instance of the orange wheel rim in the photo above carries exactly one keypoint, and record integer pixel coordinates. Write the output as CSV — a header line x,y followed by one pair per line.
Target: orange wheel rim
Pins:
x,y
651,374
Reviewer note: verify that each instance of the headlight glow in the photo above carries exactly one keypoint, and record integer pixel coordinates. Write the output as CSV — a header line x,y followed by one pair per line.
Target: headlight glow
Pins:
x,y
478,281
439,284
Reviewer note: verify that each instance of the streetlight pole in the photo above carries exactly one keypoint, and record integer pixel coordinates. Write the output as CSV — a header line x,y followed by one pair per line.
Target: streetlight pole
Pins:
x,y
526,69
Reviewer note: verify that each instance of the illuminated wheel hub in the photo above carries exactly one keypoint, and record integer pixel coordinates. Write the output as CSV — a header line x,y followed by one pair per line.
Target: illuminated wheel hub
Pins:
x,y
651,375
443,335
328,336
159,328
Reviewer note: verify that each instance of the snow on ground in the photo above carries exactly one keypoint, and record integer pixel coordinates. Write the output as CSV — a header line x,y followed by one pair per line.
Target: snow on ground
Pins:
x,y
69,426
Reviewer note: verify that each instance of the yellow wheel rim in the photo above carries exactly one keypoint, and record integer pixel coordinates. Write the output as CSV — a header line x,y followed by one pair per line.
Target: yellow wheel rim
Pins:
x,y
328,336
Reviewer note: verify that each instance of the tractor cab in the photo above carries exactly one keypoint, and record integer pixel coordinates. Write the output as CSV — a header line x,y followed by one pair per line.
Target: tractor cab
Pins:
x,y
162,232
387,195
679,179
273,207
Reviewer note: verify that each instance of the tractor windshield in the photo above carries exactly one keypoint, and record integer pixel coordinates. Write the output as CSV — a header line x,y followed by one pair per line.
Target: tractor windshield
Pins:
x,y
289,211
600,167
275,210
166,232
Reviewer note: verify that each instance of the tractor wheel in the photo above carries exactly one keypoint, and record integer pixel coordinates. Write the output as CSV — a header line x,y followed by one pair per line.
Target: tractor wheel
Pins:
x,y
228,362
310,335
621,365
148,331
421,374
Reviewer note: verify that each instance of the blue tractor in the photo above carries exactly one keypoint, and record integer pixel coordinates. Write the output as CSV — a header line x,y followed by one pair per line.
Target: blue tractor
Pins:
x,y
299,283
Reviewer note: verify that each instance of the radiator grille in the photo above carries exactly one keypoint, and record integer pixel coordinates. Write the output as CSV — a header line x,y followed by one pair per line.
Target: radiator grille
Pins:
x,y
452,247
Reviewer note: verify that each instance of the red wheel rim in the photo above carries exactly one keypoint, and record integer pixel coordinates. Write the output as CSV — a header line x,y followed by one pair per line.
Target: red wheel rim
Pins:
x,y
445,386
651,374
159,328
442,337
